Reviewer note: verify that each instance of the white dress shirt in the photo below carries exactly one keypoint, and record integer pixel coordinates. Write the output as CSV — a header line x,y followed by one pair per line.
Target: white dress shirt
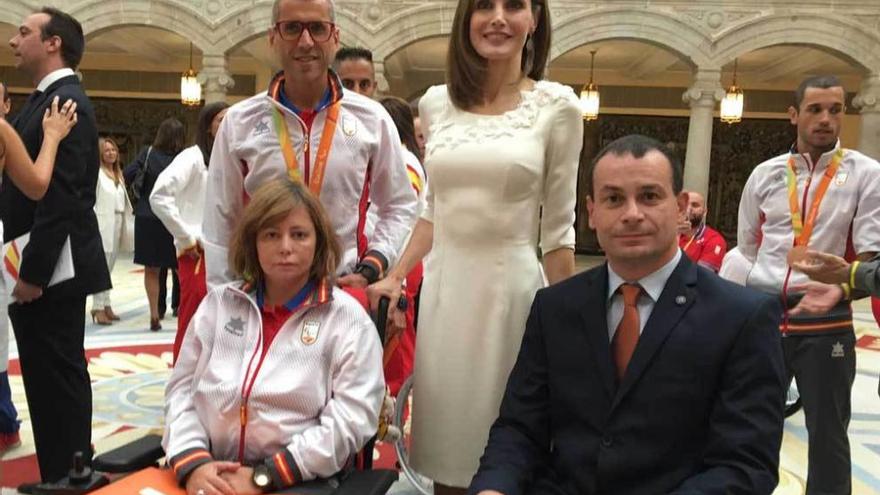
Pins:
x,y
53,76
652,286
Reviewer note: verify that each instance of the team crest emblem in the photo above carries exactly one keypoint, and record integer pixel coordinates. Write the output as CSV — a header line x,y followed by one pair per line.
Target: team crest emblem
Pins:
x,y
837,350
235,326
261,128
349,126
841,178
310,332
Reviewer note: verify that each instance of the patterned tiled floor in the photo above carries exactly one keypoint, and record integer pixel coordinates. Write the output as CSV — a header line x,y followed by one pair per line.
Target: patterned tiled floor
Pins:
x,y
129,365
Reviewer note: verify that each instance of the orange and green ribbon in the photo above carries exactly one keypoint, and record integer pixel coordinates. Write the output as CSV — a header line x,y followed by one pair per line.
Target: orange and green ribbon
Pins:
x,y
803,230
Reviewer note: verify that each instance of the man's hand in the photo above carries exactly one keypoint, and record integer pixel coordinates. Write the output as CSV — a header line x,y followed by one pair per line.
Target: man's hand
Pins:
x,y
822,267
355,280
242,481
389,287
818,298
24,292
207,479
684,224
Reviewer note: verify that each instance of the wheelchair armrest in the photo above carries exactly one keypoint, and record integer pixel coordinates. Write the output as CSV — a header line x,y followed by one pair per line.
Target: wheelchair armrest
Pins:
x,y
367,482
134,456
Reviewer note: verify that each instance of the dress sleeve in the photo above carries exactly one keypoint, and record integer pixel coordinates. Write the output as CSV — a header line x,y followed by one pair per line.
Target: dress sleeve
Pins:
x,y
429,107
562,158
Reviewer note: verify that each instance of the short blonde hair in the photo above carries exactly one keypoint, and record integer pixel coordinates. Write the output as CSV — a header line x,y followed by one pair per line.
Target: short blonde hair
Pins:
x,y
271,203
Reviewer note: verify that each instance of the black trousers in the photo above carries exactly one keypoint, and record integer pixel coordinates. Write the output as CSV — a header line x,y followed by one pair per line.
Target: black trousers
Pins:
x,y
163,289
49,333
825,368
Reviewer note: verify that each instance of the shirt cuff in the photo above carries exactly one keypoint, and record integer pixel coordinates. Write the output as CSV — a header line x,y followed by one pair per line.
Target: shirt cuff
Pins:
x,y
187,461
283,469
372,266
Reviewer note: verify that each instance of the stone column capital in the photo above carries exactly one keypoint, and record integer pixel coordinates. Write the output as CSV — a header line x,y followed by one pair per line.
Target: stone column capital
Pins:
x,y
381,79
868,99
215,77
706,90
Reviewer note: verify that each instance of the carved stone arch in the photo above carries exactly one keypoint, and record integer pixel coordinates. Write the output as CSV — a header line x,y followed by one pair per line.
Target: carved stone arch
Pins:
x,y
846,38
239,29
14,13
101,15
654,27
410,26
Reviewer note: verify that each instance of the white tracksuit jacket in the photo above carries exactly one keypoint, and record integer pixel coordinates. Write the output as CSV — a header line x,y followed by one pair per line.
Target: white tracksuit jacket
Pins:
x,y
315,400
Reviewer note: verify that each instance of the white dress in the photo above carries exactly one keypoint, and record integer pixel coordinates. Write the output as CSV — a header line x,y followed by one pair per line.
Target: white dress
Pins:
x,y
490,177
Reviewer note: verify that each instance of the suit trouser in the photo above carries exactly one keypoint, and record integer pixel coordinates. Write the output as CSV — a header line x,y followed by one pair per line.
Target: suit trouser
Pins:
x,y
825,368
49,333
163,289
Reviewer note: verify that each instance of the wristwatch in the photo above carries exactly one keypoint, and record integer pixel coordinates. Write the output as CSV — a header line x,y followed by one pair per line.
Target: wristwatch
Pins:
x,y
261,477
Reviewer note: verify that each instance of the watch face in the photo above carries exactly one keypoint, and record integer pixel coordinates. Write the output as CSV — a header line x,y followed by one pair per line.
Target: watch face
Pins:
x,y
261,476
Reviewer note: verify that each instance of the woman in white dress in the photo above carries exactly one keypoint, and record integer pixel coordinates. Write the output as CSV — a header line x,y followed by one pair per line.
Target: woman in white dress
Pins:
x,y
113,211
33,180
502,153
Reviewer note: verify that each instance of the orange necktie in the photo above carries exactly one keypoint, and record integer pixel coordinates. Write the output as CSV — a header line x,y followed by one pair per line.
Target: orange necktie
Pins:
x,y
627,335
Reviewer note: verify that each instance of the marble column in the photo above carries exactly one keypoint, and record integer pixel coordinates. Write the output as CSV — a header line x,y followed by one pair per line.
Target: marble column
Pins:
x,y
703,95
215,78
868,103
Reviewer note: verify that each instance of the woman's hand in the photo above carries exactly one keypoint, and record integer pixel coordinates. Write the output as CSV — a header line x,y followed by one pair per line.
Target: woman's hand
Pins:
x,y
57,123
389,287
208,479
822,267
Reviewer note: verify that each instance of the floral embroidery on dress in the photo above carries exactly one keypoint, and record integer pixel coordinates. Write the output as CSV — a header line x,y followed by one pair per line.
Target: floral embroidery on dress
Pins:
x,y
448,131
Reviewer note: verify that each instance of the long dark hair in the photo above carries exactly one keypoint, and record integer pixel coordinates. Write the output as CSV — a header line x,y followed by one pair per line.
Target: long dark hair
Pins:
x,y
204,139
402,115
170,137
466,69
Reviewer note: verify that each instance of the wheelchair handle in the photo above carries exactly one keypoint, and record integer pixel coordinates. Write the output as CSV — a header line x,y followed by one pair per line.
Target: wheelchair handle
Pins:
x,y
380,317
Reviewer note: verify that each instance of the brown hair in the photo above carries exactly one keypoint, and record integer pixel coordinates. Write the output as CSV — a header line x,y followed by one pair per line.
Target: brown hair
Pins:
x,y
272,202
117,165
466,69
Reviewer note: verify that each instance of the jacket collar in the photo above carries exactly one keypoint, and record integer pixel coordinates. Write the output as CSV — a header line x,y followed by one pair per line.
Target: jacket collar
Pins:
x,y
824,159
321,293
277,83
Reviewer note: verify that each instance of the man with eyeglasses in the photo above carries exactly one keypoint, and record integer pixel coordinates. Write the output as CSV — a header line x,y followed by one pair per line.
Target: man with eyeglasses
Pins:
x,y
343,146
823,197
356,71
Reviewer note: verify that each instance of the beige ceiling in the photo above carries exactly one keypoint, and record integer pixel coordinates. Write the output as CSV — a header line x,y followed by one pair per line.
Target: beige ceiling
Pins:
x,y
413,68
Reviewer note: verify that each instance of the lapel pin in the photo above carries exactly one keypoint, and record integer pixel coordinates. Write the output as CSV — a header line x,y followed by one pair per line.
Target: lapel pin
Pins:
x,y
680,300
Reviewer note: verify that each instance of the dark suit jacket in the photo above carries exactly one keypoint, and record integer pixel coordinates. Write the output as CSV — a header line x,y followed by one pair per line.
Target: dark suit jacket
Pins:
x,y
700,409
67,208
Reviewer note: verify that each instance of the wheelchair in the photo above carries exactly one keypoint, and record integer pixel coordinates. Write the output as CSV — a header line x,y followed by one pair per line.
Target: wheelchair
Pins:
x,y
145,452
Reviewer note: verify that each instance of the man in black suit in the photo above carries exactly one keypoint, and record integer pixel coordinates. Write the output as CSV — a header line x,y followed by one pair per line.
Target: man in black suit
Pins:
x,y
648,374
49,321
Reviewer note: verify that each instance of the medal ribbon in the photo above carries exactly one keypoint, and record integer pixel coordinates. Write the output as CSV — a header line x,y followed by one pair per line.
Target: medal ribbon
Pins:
x,y
803,231
281,130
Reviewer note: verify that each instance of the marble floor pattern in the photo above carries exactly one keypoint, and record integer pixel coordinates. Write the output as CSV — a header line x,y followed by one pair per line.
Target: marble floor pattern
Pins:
x,y
129,365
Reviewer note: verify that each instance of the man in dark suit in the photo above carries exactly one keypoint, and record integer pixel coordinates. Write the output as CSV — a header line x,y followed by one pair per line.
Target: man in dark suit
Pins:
x,y
49,321
648,374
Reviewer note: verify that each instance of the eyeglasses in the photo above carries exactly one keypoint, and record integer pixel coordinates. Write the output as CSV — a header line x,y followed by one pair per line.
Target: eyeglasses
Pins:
x,y
320,31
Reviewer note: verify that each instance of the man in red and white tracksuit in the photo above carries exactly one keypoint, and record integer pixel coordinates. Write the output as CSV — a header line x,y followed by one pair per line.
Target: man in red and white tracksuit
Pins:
x,y
701,243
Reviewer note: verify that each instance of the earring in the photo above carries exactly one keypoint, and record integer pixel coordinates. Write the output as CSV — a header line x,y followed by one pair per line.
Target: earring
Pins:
x,y
529,50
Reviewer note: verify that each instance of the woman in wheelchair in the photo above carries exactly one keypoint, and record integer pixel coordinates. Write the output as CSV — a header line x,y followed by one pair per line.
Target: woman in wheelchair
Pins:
x,y
279,378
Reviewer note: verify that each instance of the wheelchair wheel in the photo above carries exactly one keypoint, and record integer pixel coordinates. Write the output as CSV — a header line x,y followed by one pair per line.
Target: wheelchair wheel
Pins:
x,y
402,421
792,400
